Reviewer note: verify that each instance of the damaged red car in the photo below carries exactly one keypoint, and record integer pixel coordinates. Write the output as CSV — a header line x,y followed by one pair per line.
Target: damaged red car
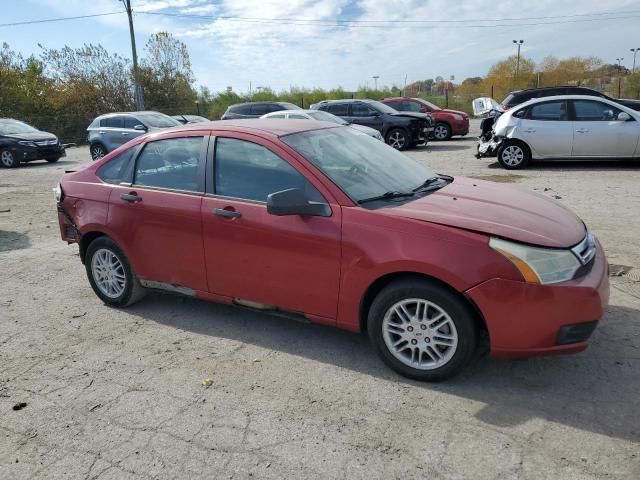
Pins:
x,y
319,222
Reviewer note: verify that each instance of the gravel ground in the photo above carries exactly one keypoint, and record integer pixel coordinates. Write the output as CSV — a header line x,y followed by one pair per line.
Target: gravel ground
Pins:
x,y
119,393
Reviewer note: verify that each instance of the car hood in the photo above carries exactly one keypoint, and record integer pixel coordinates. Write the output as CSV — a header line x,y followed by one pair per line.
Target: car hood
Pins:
x,y
446,110
421,116
33,136
495,209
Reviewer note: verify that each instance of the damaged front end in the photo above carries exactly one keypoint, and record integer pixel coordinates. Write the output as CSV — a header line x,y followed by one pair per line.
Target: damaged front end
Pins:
x,y
490,147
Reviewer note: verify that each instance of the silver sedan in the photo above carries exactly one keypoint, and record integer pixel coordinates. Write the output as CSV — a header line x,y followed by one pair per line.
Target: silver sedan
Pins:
x,y
561,127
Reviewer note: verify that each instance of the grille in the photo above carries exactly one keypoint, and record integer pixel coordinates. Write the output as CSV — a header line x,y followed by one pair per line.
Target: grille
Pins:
x,y
46,143
586,249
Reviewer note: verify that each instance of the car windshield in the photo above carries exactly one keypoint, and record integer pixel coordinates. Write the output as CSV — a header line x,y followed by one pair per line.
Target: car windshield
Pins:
x,y
381,107
7,127
326,117
432,106
360,165
158,120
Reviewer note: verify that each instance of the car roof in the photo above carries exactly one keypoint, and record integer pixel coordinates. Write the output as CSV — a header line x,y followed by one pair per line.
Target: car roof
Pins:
x,y
569,97
129,113
280,112
271,127
262,102
540,89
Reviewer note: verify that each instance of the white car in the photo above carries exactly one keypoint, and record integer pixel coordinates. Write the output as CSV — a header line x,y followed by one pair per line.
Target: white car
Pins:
x,y
564,127
323,117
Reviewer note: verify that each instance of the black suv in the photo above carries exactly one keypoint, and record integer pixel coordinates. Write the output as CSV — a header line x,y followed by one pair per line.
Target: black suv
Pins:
x,y
521,96
256,109
401,130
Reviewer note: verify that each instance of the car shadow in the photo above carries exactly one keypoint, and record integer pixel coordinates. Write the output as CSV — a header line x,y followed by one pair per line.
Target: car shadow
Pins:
x,y
578,165
597,391
44,163
13,241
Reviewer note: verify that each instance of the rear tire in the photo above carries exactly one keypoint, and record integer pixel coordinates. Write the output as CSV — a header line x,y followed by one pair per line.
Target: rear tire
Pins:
x,y
441,132
8,159
422,330
97,151
398,139
514,155
110,274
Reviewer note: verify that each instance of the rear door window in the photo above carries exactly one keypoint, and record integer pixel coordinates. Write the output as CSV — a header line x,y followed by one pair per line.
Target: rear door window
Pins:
x,y
339,109
115,170
112,122
591,111
263,108
172,163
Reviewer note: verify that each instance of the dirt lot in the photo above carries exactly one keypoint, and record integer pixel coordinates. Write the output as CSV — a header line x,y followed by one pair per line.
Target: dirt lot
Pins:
x,y
119,394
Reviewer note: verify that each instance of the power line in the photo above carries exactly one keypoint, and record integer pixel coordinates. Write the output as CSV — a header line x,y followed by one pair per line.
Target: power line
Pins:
x,y
353,24
59,19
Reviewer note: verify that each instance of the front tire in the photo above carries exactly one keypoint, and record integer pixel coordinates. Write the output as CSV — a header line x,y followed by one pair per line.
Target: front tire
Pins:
x,y
52,160
398,139
441,132
8,159
513,155
422,330
110,274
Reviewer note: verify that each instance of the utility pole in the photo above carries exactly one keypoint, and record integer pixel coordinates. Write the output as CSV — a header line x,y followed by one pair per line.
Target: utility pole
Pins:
x,y
634,50
619,60
137,88
519,44
375,79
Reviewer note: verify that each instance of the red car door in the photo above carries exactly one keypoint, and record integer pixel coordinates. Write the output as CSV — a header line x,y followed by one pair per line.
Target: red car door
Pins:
x,y
289,262
158,217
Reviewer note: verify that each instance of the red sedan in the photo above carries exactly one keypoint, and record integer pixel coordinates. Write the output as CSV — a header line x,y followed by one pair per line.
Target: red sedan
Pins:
x,y
319,222
448,122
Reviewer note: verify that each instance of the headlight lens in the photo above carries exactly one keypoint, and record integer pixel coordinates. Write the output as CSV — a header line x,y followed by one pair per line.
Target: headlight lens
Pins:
x,y
26,143
458,117
538,265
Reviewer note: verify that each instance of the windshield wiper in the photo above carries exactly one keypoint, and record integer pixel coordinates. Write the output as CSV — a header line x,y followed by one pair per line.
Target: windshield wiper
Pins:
x,y
431,181
386,196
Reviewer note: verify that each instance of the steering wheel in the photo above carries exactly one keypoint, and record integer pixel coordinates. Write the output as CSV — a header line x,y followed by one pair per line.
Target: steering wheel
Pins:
x,y
358,169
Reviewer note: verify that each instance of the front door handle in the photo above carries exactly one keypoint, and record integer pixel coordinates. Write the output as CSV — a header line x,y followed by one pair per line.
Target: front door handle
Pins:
x,y
582,130
131,197
529,130
125,134
222,212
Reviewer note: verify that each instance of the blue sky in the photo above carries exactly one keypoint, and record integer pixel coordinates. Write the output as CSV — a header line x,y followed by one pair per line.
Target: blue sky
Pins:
x,y
248,48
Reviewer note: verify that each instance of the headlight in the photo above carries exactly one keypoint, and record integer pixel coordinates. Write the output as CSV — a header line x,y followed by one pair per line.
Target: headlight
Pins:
x,y
459,118
57,193
538,265
26,143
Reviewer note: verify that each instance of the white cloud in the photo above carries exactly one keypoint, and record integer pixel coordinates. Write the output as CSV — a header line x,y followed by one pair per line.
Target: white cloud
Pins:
x,y
233,52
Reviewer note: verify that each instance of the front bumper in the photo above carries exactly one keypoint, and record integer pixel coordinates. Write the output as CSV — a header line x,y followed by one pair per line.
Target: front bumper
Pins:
x,y
488,148
28,154
460,127
527,320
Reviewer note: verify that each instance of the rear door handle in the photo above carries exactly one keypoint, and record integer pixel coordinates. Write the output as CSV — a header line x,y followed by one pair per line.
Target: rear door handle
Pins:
x,y
582,130
125,134
226,213
131,197
529,130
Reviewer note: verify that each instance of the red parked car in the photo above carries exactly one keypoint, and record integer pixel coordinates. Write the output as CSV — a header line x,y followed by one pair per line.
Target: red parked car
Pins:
x,y
448,122
319,222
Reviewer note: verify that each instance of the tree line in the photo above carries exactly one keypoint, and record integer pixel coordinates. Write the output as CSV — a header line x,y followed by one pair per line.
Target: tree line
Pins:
x,y
62,90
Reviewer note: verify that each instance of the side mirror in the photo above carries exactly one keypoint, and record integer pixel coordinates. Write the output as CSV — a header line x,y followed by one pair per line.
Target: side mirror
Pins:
x,y
140,127
624,117
294,202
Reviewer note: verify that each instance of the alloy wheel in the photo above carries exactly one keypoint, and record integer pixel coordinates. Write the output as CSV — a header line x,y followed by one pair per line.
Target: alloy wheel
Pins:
x,y
397,140
6,158
420,334
97,152
108,273
512,155
440,132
